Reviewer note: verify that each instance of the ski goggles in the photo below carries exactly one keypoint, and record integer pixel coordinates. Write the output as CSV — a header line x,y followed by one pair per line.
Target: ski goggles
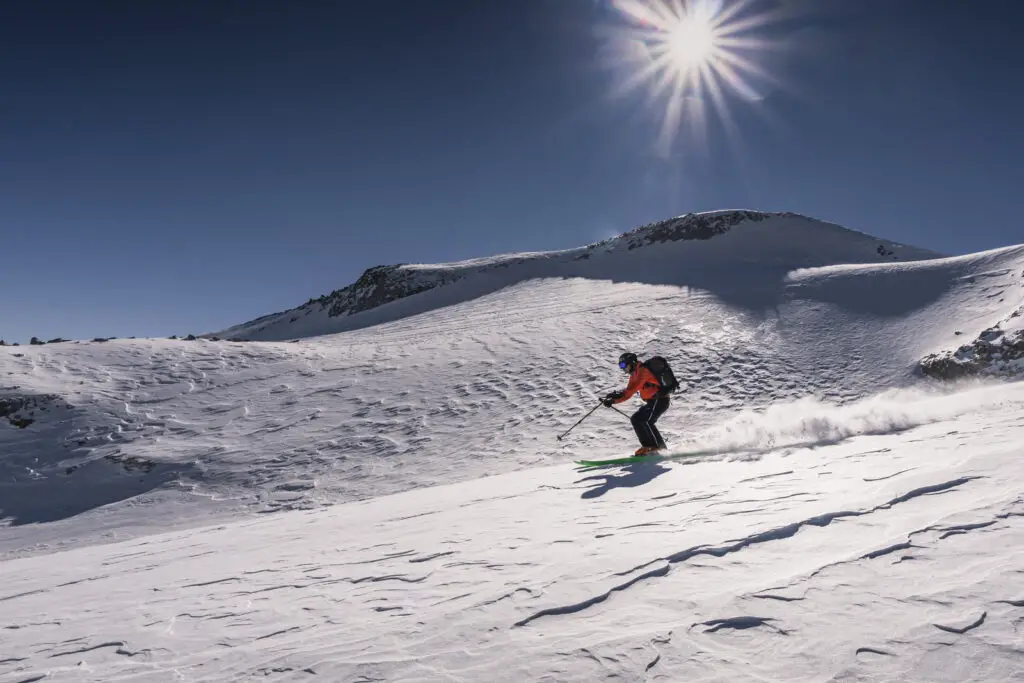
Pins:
x,y
624,365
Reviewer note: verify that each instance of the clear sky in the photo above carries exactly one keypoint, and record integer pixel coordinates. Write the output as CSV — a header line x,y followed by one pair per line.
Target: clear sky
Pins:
x,y
177,167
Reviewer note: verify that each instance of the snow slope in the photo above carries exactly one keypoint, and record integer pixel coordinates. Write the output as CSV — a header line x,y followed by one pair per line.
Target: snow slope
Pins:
x,y
851,517
469,389
887,557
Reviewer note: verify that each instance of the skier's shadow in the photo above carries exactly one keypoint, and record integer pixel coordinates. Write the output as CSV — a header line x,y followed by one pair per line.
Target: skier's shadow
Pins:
x,y
636,474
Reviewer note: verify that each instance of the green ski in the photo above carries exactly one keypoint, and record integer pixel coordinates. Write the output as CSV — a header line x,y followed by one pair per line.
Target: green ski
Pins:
x,y
640,458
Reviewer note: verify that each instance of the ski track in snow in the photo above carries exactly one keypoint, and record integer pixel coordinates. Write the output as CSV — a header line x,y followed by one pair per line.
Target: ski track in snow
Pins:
x,y
390,503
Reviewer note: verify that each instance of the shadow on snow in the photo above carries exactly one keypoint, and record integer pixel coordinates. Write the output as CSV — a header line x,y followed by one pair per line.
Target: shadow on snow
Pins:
x,y
633,475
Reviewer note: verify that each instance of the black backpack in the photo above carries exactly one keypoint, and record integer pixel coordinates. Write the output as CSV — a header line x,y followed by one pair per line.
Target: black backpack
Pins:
x,y
659,368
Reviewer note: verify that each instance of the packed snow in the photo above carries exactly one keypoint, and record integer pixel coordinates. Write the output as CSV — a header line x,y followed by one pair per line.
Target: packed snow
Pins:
x,y
389,502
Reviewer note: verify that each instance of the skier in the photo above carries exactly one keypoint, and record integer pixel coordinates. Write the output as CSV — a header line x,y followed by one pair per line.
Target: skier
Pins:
x,y
642,380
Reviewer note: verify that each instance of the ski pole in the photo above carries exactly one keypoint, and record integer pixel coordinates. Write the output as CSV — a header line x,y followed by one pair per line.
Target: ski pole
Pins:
x,y
621,413
563,435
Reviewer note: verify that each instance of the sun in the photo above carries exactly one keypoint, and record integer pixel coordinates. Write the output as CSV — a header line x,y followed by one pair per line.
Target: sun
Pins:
x,y
691,42
688,55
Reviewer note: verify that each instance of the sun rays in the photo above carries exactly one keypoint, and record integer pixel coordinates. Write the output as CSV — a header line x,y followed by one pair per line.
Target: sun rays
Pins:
x,y
688,56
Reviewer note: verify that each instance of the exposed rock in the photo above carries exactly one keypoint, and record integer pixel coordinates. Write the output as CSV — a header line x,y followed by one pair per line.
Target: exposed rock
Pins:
x,y
9,406
131,463
688,227
19,411
995,352
35,341
382,284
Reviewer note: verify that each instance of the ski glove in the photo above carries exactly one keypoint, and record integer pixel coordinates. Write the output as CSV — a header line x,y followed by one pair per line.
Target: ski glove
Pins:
x,y
611,398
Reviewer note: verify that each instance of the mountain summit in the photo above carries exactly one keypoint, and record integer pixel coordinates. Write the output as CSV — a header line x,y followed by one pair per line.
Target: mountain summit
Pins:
x,y
713,250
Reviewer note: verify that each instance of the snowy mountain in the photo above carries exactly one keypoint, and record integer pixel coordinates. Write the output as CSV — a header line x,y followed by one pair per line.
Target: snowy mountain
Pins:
x,y
690,250
384,498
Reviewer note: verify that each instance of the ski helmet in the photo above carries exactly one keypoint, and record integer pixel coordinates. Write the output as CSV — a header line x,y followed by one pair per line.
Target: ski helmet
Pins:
x,y
628,361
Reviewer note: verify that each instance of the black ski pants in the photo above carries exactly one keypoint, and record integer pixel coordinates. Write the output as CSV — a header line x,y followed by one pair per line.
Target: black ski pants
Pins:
x,y
643,422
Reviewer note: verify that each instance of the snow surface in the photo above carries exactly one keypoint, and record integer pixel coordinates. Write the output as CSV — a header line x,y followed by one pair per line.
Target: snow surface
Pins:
x,y
888,557
390,503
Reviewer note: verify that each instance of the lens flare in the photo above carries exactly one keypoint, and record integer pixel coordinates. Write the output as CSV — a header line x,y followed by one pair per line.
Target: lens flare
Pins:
x,y
687,54
691,42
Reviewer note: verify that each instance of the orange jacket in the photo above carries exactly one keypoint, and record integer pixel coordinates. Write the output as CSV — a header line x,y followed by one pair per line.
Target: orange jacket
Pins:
x,y
644,381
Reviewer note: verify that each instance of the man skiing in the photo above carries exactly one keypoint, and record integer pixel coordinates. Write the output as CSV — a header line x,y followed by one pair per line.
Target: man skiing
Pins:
x,y
642,380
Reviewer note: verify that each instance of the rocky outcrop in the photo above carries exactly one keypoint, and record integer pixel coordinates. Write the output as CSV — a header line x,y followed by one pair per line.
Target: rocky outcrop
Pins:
x,y
382,284
688,227
997,351
129,463
20,411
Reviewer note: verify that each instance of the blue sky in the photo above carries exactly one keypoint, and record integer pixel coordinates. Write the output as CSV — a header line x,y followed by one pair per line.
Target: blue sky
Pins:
x,y
168,168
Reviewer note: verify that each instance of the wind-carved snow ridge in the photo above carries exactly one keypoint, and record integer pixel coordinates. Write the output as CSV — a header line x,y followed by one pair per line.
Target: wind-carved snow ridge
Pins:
x,y
740,624
776,534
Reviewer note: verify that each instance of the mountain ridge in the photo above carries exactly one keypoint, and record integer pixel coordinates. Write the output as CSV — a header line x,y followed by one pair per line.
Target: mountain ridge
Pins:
x,y
385,284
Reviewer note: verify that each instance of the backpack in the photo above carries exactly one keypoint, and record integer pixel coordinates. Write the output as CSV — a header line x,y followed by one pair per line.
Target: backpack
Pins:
x,y
659,368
